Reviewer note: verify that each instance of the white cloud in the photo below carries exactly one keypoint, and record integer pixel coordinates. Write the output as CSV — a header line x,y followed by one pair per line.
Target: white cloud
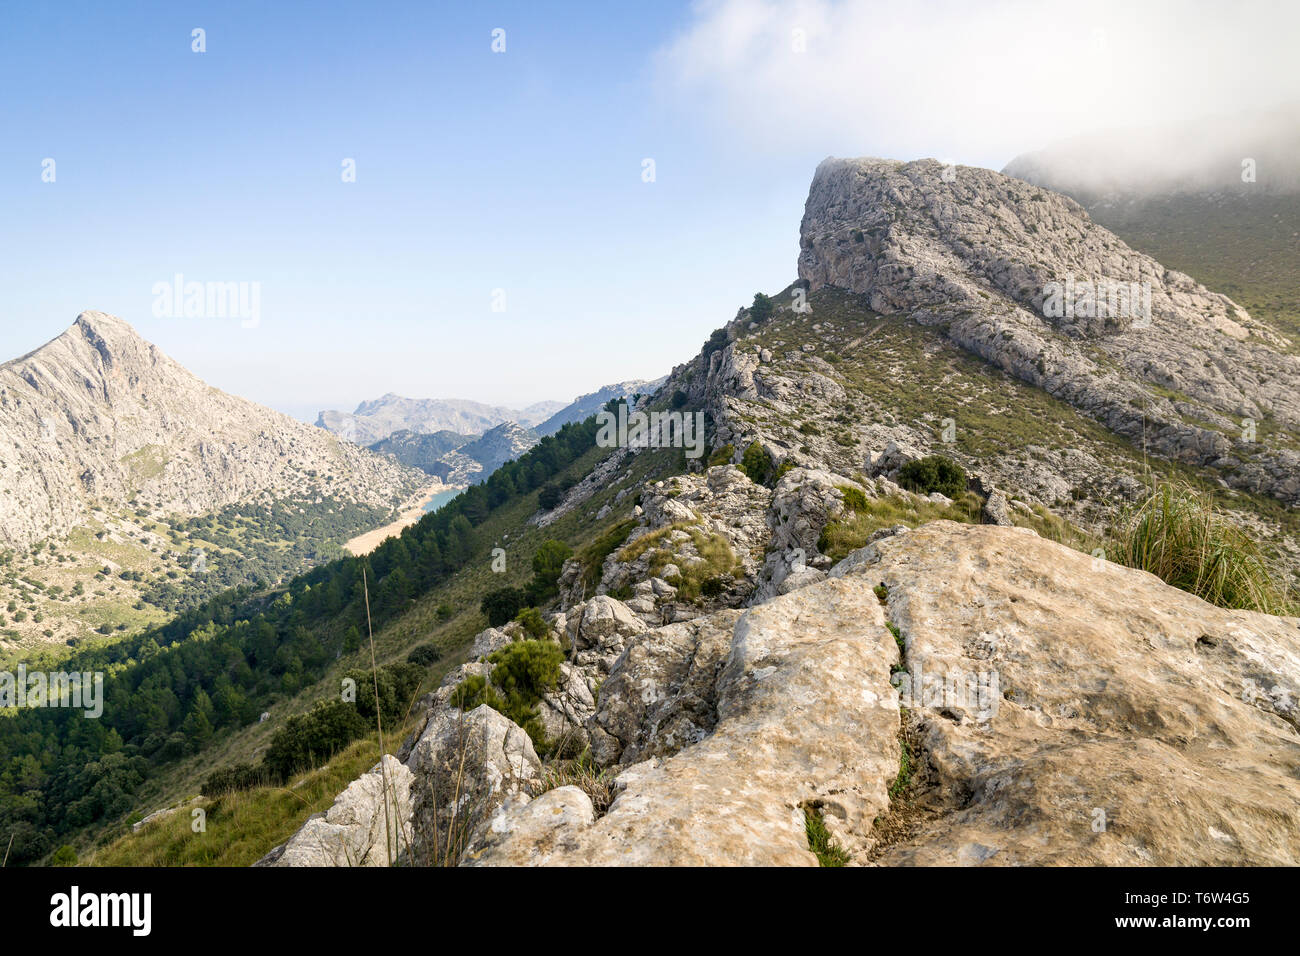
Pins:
x,y
975,82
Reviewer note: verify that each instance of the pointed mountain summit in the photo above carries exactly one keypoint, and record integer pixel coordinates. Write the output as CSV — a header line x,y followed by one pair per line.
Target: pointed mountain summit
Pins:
x,y
99,417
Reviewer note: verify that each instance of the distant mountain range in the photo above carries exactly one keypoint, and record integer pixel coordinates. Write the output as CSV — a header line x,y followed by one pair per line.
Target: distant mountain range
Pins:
x,y
375,420
587,405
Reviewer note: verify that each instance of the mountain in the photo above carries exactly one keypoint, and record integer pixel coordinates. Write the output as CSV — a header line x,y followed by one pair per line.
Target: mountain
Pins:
x,y
99,417
420,451
130,489
494,448
589,404
377,419
459,459
978,258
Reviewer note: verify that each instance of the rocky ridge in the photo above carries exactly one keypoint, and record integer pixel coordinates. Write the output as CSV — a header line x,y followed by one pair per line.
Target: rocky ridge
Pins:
x,y
972,252
1039,728
960,694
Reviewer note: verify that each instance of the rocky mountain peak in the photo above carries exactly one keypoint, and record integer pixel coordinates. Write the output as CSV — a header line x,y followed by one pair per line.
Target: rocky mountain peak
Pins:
x,y
1023,278
98,417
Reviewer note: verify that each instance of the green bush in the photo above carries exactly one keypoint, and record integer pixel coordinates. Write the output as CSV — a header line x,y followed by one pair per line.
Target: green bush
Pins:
x,y
502,605
933,473
722,456
524,672
854,499
533,622
756,463
548,562
1177,535
717,341
64,856
762,308
240,776
426,655
312,738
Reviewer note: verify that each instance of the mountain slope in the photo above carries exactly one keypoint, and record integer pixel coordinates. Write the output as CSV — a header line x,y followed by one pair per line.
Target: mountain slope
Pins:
x,y
589,404
1219,200
976,257
459,459
100,417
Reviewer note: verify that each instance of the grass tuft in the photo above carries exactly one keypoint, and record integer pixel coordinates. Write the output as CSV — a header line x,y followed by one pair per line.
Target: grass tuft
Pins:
x,y
819,840
1178,535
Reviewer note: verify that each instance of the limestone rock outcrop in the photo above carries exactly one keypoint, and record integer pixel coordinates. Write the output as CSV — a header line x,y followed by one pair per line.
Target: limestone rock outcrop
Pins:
x,y
980,255
368,825
1060,710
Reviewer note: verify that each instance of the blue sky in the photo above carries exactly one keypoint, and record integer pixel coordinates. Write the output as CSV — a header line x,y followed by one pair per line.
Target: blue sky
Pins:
x,y
475,171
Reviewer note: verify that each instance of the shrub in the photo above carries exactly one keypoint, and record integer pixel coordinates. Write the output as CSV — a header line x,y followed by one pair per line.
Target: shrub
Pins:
x,y
1177,535
933,473
756,463
548,562
524,672
533,622
240,776
722,456
426,655
679,399
854,499
502,605
762,308
717,341
311,738
64,856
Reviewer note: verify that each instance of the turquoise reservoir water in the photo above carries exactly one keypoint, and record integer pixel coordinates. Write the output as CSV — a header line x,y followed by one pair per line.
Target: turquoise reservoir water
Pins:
x,y
440,499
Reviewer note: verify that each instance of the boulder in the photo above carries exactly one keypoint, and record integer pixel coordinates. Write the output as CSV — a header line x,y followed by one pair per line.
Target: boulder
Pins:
x,y
369,823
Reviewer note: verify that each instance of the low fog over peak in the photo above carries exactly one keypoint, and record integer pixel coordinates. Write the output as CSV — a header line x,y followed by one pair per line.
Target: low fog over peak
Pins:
x,y
1213,153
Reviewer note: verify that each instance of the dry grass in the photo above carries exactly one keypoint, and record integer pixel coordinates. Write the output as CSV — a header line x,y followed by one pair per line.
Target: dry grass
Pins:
x,y
1179,536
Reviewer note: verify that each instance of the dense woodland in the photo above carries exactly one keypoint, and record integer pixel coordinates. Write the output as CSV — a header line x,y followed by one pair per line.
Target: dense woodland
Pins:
x,y
169,691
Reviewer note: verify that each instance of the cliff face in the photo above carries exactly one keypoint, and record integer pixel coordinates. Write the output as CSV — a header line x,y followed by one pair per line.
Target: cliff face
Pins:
x,y
981,256
100,417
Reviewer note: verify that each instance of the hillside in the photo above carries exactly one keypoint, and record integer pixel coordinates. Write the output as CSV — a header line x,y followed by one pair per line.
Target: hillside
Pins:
x,y
129,488
977,258
1185,197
